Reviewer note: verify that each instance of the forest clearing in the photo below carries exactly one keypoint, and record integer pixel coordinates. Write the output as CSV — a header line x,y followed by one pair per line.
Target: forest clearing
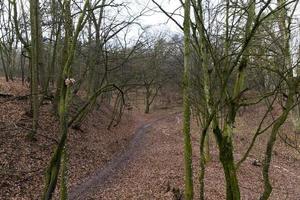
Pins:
x,y
150,99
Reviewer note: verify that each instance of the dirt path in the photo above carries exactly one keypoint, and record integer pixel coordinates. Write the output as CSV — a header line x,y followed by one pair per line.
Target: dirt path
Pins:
x,y
119,162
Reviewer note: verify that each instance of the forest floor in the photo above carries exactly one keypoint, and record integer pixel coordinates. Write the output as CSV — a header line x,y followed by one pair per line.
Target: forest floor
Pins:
x,y
154,169
141,158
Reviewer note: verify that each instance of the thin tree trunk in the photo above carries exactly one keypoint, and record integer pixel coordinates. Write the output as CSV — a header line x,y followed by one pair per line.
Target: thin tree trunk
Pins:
x,y
271,142
34,19
148,95
22,66
203,54
186,105
4,64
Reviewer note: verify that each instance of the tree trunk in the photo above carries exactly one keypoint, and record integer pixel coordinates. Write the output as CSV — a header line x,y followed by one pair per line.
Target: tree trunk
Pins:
x,y
225,145
22,66
270,146
186,105
203,54
34,19
147,109
4,64
148,95
227,160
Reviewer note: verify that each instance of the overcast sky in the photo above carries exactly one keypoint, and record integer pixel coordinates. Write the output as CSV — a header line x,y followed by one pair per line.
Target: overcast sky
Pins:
x,y
157,19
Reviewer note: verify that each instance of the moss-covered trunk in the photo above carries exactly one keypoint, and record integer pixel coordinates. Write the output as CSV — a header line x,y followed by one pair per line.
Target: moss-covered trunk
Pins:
x,y
55,164
271,142
34,53
188,180
204,57
59,158
225,145
227,160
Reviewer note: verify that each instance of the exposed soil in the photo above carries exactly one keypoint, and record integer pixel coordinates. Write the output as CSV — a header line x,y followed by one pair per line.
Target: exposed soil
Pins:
x,y
120,161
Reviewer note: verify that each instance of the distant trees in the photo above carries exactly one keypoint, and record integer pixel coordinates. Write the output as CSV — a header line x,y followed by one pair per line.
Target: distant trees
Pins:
x,y
153,67
8,42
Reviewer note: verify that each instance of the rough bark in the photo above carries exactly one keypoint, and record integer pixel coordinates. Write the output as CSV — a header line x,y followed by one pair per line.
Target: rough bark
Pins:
x,y
226,157
186,105
35,44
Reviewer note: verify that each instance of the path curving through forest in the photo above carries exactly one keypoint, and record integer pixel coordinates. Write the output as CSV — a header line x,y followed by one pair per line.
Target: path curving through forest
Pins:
x,y
101,176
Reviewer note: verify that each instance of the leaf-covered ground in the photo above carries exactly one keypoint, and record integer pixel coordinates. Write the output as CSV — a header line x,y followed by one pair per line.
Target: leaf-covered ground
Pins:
x,y
155,169
152,167
23,163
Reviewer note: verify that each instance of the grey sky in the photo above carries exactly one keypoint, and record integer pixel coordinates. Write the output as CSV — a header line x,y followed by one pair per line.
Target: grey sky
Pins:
x,y
156,18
